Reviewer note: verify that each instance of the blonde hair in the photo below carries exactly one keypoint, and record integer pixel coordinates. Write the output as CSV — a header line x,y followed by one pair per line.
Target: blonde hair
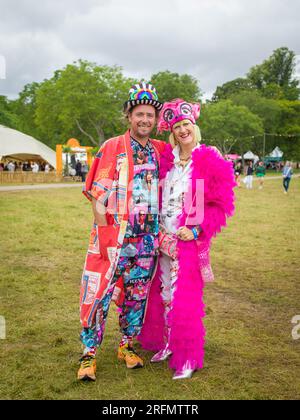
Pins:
x,y
197,136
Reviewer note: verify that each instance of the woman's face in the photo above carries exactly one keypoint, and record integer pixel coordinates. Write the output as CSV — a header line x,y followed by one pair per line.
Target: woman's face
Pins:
x,y
184,133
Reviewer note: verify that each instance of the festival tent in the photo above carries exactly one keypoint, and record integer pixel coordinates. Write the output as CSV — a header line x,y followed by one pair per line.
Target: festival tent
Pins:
x,y
233,157
275,156
251,156
20,146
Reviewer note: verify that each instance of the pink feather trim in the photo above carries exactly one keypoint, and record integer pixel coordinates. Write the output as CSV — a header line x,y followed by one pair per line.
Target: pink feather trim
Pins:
x,y
187,337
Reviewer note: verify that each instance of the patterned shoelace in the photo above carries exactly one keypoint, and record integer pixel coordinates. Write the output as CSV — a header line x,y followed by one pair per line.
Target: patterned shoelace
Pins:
x,y
131,353
87,361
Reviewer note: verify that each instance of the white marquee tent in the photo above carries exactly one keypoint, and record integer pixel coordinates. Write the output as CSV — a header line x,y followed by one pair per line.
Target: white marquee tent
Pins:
x,y
251,156
277,153
17,145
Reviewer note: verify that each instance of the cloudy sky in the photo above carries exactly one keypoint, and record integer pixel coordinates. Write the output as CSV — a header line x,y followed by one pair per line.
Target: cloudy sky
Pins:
x,y
213,40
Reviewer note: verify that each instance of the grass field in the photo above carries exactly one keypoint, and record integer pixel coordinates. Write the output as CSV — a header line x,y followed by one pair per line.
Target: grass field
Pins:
x,y
250,353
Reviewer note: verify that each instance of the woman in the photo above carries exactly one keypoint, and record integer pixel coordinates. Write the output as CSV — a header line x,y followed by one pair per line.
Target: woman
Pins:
x,y
173,324
248,180
237,173
260,173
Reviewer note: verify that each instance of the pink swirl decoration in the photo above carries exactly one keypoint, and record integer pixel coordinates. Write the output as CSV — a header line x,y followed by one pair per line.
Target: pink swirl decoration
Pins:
x,y
175,111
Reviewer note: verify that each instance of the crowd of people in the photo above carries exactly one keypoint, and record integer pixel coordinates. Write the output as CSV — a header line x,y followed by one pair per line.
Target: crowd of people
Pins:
x,y
35,167
81,169
259,170
78,169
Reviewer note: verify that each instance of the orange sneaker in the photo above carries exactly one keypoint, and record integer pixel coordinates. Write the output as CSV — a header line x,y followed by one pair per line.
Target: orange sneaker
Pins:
x,y
132,360
87,370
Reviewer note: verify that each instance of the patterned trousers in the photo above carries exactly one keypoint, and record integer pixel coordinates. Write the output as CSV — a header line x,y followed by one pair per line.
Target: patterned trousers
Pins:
x,y
137,273
169,275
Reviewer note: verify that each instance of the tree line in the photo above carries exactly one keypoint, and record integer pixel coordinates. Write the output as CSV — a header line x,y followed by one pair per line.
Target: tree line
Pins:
x,y
84,100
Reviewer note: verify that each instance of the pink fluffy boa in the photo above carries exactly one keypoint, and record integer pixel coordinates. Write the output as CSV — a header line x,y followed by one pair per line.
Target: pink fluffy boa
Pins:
x,y
187,336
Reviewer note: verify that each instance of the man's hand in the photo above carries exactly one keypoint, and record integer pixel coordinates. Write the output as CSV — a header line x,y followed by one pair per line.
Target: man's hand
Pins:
x,y
99,211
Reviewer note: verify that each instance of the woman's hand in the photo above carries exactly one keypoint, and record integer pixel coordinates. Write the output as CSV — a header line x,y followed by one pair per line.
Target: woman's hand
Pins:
x,y
185,234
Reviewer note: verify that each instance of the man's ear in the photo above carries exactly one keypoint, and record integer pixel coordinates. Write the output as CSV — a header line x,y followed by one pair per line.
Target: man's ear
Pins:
x,y
129,115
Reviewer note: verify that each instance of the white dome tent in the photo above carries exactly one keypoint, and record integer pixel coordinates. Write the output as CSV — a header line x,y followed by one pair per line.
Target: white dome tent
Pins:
x,y
251,156
277,153
17,145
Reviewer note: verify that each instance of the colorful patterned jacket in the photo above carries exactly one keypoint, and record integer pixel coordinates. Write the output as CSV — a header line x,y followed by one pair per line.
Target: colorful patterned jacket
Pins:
x,y
110,181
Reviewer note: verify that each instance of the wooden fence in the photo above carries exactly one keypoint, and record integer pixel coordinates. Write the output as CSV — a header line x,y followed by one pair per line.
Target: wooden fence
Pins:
x,y
29,177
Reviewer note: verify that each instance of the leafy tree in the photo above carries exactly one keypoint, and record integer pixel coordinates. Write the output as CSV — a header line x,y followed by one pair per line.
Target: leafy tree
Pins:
x,y
269,110
229,127
289,142
173,85
231,88
25,108
278,71
7,115
278,117
83,100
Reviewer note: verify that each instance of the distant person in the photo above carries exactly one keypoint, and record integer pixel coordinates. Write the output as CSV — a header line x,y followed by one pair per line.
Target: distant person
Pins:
x,y
237,173
35,167
47,168
19,167
11,167
1,167
72,171
260,173
78,168
84,171
249,176
287,176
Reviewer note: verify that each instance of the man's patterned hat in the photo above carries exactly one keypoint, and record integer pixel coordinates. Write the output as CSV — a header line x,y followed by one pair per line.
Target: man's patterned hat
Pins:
x,y
142,94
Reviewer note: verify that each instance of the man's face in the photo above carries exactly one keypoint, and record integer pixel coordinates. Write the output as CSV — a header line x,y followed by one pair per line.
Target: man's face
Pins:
x,y
142,120
142,216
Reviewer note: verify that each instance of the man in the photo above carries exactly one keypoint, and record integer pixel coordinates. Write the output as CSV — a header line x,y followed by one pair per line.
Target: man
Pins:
x,y
78,168
287,174
84,171
121,255
260,173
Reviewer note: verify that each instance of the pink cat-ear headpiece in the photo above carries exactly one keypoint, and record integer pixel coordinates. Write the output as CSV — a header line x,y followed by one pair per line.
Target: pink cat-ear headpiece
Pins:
x,y
175,111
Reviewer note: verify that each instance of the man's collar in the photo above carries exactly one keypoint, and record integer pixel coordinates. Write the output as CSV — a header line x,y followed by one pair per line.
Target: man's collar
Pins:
x,y
147,144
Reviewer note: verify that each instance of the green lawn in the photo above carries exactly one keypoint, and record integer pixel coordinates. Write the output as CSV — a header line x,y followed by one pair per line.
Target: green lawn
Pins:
x,y
250,353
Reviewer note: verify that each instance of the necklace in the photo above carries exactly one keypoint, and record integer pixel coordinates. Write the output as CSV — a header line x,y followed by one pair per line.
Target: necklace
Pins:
x,y
184,161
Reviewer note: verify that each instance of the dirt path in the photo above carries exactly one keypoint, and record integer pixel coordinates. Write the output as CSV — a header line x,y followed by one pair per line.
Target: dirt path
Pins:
x,y
38,187
79,184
